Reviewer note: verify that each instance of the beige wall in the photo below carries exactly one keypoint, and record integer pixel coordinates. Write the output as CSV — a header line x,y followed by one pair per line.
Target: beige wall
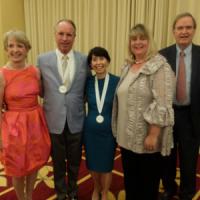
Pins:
x,y
11,17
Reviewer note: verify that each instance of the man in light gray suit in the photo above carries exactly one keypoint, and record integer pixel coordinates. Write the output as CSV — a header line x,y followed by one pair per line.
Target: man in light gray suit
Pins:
x,y
64,72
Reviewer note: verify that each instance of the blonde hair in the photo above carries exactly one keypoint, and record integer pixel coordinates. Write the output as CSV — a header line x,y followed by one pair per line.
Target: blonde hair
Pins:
x,y
141,30
19,36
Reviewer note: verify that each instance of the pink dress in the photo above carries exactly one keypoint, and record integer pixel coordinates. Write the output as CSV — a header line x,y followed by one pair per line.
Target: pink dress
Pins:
x,y
25,137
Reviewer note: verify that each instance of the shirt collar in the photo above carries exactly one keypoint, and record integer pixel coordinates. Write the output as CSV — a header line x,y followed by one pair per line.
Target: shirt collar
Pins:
x,y
186,50
60,55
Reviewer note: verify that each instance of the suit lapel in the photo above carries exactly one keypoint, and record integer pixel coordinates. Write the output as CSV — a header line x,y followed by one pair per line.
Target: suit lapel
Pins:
x,y
54,66
172,58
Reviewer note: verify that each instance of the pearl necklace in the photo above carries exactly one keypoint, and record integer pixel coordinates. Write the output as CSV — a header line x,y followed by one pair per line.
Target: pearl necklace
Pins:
x,y
139,61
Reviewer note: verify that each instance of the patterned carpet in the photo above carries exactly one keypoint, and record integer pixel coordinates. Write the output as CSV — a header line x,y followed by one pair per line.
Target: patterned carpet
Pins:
x,y
44,188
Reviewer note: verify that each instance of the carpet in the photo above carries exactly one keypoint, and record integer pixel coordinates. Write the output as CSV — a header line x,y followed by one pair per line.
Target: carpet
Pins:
x,y
44,187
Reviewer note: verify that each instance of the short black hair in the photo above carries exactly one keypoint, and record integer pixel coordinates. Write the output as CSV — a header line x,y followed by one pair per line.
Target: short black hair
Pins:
x,y
98,51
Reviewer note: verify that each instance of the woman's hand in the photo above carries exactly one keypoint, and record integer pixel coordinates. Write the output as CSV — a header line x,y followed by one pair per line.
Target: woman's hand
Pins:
x,y
151,140
1,144
4,108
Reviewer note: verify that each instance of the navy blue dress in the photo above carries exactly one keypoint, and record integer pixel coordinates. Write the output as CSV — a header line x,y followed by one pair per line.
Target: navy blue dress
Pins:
x,y
98,139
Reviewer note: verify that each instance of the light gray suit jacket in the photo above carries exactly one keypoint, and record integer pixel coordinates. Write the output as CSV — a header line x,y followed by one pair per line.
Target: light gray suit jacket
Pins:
x,y
61,107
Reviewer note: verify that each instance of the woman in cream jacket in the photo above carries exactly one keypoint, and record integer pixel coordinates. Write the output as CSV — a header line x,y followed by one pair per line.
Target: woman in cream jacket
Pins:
x,y
143,117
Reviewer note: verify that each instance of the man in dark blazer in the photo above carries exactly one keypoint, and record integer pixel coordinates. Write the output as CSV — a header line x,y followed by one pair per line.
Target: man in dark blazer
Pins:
x,y
187,112
64,73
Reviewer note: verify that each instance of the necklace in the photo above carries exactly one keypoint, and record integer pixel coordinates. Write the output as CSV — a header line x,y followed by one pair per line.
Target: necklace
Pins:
x,y
20,67
100,100
139,61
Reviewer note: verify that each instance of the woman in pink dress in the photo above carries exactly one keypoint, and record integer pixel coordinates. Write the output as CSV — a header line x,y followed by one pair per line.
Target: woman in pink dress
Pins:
x,y
24,137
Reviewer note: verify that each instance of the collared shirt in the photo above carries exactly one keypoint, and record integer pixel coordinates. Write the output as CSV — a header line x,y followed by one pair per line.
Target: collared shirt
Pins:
x,y
70,64
188,68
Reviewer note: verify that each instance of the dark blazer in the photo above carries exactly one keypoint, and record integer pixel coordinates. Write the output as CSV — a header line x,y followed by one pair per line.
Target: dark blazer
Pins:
x,y
170,54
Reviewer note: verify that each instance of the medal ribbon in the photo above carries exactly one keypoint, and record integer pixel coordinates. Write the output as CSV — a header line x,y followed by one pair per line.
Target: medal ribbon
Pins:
x,y
100,101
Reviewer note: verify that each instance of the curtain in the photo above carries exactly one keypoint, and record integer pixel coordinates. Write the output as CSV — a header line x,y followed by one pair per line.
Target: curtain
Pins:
x,y
104,23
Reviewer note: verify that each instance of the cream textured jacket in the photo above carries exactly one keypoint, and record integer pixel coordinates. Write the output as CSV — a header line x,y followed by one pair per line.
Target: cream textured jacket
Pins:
x,y
150,98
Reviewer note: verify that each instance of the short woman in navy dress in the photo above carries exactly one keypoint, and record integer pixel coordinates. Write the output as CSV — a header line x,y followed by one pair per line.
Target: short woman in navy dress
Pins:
x,y
98,138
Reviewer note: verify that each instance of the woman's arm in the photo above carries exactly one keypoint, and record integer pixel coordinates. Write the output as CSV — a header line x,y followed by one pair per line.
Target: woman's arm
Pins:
x,y
160,112
151,141
40,82
2,85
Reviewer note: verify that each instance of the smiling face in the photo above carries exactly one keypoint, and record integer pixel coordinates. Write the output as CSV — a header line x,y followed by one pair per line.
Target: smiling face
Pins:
x,y
139,46
16,51
65,36
99,64
184,31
